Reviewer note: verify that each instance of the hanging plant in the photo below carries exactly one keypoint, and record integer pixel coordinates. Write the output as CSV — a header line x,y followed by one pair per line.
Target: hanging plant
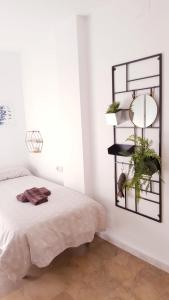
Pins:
x,y
143,164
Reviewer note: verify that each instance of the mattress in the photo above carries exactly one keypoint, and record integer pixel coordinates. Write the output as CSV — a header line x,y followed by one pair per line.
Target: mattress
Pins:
x,y
37,234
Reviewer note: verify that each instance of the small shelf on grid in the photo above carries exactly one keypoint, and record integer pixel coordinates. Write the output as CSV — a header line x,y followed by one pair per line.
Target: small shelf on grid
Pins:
x,y
121,149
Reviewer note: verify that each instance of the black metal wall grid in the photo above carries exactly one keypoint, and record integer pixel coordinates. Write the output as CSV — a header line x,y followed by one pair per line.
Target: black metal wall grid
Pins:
x,y
145,89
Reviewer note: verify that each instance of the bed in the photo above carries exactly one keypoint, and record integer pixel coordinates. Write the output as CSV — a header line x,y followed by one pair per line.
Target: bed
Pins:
x,y
37,234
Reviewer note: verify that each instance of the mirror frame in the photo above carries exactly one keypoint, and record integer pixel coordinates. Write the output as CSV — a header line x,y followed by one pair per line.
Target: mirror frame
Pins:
x,y
130,111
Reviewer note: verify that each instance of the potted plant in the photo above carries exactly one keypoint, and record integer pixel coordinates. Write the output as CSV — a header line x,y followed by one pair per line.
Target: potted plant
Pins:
x,y
143,164
113,114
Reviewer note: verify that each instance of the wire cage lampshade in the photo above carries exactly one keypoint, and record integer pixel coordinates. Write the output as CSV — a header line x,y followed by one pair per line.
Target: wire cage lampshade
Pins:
x,y
34,141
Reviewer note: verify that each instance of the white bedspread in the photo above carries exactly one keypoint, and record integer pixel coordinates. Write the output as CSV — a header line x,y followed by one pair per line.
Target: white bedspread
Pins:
x,y
37,234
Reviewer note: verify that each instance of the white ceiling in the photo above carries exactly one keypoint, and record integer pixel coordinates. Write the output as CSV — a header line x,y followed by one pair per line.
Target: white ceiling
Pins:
x,y
32,15
45,8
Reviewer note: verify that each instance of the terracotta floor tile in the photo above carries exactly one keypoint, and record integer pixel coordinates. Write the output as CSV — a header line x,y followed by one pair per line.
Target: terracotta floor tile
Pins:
x,y
122,294
44,288
16,295
63,296
100,271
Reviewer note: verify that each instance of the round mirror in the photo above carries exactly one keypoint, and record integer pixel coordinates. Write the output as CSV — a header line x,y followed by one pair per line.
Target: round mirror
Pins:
x,y
143,111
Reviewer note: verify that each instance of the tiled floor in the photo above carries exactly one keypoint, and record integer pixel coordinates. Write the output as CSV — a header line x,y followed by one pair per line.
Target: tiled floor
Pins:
x,y
99,272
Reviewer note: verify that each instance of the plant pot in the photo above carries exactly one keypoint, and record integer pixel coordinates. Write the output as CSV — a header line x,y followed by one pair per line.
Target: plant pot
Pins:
x,y
152,165
117,118
113,118
148,166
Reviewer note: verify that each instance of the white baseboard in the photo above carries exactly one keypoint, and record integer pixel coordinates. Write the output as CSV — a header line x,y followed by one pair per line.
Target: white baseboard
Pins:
x,y
153,261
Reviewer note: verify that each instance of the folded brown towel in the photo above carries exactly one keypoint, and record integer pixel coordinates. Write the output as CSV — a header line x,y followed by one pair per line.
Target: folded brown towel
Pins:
x,y
34,195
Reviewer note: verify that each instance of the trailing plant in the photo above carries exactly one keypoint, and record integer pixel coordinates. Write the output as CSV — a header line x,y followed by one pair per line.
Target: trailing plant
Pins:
x,y
113,108
143,164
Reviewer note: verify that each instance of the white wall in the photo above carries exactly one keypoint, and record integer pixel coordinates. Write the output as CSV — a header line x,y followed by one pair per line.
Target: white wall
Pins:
x,y
12,133
118,33
52,95
48,45
69,93
57,103
85,104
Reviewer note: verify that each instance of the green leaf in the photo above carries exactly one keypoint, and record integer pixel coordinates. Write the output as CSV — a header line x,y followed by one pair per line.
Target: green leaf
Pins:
x,y
113,108
143,164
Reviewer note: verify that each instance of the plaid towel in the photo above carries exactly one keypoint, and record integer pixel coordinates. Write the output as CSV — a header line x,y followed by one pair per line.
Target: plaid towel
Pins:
x,y
35,195
44,191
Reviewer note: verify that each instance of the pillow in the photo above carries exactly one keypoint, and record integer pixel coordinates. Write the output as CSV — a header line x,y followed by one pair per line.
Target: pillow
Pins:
x,y
9,173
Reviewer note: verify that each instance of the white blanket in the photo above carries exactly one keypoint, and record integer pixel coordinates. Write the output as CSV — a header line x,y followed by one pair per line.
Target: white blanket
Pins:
x,y
37,234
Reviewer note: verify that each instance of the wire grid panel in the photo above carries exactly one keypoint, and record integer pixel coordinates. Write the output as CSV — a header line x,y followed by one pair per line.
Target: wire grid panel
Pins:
x,y
131,79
